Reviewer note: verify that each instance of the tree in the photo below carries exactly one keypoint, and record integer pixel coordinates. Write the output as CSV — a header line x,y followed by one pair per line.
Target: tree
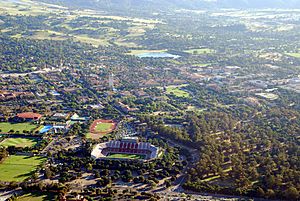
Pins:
x,y
291,193
48,173
260,192
168,183
270,193
89,167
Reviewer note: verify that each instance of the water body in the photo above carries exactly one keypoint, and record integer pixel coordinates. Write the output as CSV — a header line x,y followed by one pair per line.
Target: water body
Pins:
x,y
157,55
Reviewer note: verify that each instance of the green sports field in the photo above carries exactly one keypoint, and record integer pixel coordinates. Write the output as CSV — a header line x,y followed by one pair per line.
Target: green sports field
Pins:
x,y
18,168
36,197
5,127
103,127
127,156
19,142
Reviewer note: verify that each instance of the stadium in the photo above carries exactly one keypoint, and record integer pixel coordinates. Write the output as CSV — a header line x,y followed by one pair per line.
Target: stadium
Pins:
x,y
127,148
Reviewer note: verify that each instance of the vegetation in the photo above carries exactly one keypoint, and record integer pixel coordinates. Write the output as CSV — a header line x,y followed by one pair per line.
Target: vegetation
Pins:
x,y
35,197
18,168
177,91
200,51
17,127
127,156
226,113
19,142
297,55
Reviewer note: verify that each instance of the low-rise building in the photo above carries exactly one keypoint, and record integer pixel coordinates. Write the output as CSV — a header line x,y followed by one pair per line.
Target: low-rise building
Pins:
x,y
28,116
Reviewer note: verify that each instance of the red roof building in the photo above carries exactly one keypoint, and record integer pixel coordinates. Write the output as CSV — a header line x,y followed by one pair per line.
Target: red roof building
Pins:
x,y
29,116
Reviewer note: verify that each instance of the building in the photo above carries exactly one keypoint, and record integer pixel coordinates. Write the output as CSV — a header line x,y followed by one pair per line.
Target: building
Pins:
x,y
28,116
129,145
77,119
111,81
125,108
61,117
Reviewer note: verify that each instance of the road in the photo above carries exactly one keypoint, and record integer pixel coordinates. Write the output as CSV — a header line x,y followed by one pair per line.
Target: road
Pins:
x,y
4,195
50,145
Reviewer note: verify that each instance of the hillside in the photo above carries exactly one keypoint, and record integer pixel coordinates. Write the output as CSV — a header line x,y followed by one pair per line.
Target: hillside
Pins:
x,y
152,5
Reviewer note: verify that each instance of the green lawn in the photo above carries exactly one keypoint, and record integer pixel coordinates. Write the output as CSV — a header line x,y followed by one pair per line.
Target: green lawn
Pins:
x,y
136,52
297,55
6,127
201,65
127,156
200,51
103,127
19,142
36,197
177,91
18,168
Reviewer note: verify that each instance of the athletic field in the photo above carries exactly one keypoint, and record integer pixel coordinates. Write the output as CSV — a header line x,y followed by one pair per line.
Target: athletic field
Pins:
x,y
100,128
103,127
18,168
5,127
19,142
127,156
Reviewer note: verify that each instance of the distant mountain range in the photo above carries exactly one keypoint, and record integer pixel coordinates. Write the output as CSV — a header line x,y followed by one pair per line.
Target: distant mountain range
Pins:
x,y
152,5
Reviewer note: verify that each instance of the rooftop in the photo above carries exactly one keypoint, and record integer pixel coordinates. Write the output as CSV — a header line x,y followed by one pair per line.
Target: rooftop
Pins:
x,y
29,115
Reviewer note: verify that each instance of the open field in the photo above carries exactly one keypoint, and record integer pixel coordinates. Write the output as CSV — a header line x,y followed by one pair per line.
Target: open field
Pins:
x,y
201,65
200,51
89,40
136,52
74,27
18,142
177,91
5,127
297,55
18,168
127,156
269,96
35,197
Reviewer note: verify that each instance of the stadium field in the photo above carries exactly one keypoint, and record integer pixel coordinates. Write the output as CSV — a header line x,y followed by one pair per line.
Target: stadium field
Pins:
x,y
126,156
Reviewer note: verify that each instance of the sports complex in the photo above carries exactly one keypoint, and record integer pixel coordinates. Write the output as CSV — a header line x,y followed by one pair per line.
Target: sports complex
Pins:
x,y
127,148
101,127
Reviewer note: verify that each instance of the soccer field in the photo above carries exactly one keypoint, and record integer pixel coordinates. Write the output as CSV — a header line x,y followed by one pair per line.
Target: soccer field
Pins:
x,y
5,127
103,127
19,142
127,156
18,168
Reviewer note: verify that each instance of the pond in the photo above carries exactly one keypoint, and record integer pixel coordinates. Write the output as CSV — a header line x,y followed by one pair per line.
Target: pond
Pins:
x,y
157,55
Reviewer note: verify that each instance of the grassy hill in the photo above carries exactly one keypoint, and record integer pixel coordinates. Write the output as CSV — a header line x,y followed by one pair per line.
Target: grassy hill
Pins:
x,y
155,5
